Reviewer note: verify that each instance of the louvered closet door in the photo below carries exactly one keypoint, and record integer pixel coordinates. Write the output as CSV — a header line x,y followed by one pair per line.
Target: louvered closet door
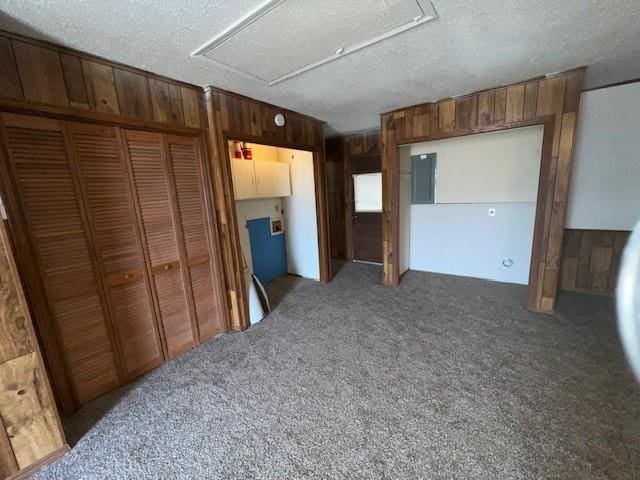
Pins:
x,y
103,178
146,156
188,177
50,202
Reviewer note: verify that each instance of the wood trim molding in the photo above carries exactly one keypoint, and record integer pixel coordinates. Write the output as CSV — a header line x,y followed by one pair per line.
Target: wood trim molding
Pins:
x,y
36,467
552,101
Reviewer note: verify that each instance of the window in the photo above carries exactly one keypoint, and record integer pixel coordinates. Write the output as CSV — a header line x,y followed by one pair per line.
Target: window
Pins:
x,y
367,192
423,179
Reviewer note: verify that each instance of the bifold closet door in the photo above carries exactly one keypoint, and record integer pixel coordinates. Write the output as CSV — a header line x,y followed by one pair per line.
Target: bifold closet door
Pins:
x,y
48,195
187,175
146,155
111,217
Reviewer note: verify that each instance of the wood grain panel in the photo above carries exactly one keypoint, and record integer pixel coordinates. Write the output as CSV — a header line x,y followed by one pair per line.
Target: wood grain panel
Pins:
x,y
177,110
486,102
15,339
515,103
160,101
27,410
101,88
191,107
500,105
447,110
8,463
466,113
47,193
530,100
591,260
552,101
74,81
41,74
10,85
133,94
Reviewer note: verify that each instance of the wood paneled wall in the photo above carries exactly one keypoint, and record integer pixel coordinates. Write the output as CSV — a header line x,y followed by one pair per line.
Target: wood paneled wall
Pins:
x,y
591,259
234,117
30,429
58,79
552,101
335,196
45,80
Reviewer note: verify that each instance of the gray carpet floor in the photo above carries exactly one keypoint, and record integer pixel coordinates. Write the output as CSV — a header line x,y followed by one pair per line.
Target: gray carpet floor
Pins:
x,y
442,378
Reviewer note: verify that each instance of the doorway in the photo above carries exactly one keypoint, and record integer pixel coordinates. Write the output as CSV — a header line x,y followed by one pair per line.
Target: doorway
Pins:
x,y
365,185
275,207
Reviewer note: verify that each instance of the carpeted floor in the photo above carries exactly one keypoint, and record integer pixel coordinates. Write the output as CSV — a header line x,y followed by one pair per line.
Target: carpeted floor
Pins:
x,y
442,378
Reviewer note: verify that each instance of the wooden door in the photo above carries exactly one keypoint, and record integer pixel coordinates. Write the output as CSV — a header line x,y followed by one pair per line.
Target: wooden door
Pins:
x,y
48,195
162,239
187,176
103,173
366,215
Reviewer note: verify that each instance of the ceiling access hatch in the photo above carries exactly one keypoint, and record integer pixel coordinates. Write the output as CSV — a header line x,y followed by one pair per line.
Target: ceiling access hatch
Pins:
x,y
283,38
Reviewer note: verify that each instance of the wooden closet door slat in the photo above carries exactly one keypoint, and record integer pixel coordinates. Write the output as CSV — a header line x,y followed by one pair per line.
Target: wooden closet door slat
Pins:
x,y
47,191
188,178
103,176
146,157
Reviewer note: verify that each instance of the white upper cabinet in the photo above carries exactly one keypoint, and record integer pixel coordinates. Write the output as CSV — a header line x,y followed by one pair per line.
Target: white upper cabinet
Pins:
x,y
244,179
253,179
272,179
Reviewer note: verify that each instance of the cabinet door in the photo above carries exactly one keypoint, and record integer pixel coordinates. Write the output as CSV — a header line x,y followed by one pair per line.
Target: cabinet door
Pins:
x,y
272,179
146,156
244,179
52,206
187,180
103,177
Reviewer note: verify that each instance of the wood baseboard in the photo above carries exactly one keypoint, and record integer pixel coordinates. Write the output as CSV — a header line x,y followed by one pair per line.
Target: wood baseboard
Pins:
x,y
43,462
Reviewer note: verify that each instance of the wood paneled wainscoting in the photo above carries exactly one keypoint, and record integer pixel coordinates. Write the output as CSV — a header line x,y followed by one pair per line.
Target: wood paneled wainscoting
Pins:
x,y
552,101
591,260
30,429
105,177
235,117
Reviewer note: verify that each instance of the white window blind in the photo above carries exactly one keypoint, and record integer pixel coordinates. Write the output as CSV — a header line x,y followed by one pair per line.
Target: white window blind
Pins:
x,y
367,192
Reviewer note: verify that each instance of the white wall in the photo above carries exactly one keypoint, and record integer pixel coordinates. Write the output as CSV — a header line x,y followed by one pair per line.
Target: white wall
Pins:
x,y
605,185
301,228
474,174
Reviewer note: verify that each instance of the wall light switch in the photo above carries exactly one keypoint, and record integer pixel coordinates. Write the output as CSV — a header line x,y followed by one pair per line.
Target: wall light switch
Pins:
x,y
492,212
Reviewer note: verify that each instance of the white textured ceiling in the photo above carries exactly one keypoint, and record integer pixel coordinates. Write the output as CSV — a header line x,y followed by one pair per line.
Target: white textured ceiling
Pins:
x,y
474,44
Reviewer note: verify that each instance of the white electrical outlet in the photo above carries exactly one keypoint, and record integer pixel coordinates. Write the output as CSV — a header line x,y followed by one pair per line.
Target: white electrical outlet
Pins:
x,y
492,212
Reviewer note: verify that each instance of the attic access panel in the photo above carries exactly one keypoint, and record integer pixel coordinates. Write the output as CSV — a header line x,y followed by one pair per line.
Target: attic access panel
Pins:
x,y
284,38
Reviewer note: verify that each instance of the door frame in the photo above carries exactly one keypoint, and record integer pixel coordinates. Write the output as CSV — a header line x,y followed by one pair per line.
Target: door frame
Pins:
x,y
544,199
322,209
349,201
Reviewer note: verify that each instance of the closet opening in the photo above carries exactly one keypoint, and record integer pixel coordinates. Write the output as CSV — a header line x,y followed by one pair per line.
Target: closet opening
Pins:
x,y
277,216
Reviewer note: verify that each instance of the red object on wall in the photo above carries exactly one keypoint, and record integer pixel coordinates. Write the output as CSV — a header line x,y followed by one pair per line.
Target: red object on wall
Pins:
x,y
237,149
246,151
